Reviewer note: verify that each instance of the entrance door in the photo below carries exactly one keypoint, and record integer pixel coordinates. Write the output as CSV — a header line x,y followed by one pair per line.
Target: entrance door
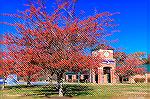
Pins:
x,y
96,78
107,74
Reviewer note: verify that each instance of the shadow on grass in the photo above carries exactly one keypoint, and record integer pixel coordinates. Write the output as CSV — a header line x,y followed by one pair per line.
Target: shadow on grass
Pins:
x,y
77,90
69,90
22,86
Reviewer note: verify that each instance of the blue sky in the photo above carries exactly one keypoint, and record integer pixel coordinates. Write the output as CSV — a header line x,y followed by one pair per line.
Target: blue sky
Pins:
x,y
134,19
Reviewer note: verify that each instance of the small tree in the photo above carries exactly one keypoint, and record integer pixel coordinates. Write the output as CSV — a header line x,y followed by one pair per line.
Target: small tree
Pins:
x,y
6,66
27,67
130,65
149,58
20,63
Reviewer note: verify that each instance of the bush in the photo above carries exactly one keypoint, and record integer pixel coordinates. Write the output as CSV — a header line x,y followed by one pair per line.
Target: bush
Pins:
x,y
69,80
148,80
139,80
136,80
75,80
142,80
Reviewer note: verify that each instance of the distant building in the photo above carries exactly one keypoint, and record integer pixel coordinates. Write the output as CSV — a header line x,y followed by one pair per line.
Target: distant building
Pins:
x,y
106,69
103,74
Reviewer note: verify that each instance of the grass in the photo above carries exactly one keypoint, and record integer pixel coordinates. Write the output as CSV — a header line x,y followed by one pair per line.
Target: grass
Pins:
x,y
78,91
122,90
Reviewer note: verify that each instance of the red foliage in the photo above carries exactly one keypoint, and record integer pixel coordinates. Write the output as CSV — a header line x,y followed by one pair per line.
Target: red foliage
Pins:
x,y
6,64
149,58
45,43
129,64
20,63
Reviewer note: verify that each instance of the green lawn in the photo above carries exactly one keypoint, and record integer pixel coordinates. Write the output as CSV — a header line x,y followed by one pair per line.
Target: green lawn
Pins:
x,y
78,91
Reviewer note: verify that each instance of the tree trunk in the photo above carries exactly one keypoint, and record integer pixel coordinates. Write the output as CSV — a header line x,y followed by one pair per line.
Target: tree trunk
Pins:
x,y
60,89
60,84
28,83
122,80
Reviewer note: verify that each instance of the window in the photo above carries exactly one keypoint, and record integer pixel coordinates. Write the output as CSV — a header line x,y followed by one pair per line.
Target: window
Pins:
x,y
69,76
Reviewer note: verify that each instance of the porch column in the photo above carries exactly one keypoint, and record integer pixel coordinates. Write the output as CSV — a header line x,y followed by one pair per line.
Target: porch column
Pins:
x,y
66,77
112,73
146,81
93,76
100,75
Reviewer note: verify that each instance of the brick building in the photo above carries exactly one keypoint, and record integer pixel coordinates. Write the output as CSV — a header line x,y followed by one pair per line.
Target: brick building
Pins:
x,y
106,69
103,74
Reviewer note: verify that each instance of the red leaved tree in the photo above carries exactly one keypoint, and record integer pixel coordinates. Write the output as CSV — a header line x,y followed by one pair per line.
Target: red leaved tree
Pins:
x,y
129,65
6,66
26,65
56,41
20,63
149,58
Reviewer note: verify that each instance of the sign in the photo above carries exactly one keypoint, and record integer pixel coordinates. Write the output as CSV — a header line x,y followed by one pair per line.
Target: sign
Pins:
x,y
1,81
108,62
11,79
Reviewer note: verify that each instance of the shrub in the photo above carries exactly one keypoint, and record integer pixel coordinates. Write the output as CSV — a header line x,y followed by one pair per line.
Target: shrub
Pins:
x,y
74,80
136,80
141,80
148,80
